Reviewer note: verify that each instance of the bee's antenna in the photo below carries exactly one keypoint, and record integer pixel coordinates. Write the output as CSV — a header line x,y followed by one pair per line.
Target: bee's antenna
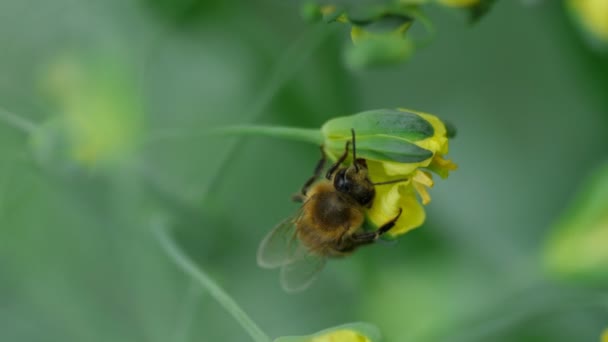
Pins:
x,y
392,181
352,130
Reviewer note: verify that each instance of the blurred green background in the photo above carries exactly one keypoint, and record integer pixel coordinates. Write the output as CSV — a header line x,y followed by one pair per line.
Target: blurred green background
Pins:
x,y
104,104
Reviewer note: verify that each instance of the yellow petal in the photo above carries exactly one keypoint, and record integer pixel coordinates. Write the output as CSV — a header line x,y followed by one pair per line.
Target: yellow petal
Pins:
x,y
341,336
384,171
393,169
423,193
386,206
441,166
421,181
605,336
413,214
423,178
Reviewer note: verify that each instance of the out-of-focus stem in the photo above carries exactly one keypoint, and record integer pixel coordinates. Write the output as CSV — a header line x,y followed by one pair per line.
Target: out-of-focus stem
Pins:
x,y
16,121
190,268
290,133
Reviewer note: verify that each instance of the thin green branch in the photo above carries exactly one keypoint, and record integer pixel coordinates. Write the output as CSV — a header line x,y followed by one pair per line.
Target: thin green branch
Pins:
x,y
186,312
308,135
290,62
17,122
188,266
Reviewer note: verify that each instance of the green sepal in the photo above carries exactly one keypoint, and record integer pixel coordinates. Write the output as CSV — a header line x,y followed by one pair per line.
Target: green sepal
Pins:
x,y
389,16
366,329
394,123
386,149
382,50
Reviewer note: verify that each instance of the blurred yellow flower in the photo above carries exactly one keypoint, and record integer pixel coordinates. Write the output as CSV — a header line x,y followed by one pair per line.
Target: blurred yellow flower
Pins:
x,y
459,3
99,114
378,33
397,144
351,332
341,336
576,246
592,15
605,336
359,33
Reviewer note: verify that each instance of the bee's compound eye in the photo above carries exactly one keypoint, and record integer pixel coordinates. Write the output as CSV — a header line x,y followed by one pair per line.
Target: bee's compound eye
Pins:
x,y
366,197
340,181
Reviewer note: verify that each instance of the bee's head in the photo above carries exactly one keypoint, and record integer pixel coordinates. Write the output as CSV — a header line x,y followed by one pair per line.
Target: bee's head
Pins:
x,y
353,180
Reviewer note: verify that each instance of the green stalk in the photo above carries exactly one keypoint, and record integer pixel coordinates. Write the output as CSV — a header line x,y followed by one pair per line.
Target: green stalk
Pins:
x,y
308,135
16,121
190,268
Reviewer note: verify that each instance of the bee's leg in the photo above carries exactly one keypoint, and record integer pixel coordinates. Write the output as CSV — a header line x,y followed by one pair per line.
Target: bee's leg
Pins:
x,y
369,237
390,224
339,162
298,198
320,165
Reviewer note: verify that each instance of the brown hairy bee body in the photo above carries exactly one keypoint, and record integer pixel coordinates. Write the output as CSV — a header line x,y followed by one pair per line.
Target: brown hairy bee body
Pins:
x,y
328,224
329,219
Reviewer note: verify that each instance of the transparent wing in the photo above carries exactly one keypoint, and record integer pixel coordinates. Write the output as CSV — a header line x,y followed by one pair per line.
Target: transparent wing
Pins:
x,y
280,245
302,271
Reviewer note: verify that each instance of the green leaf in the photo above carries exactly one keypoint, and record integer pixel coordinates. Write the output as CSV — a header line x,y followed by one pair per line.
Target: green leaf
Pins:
x,y
386,148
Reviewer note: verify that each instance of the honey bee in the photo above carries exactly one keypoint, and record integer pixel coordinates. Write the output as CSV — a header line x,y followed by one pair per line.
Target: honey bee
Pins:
x,y
327,225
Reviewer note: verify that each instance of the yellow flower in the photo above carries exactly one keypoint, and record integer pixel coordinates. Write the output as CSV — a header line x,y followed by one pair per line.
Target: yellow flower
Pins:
x,y
593,16
605,336
397,144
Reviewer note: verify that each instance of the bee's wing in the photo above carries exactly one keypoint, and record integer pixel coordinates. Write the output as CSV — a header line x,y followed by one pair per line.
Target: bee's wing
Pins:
x,y
298,274
280,245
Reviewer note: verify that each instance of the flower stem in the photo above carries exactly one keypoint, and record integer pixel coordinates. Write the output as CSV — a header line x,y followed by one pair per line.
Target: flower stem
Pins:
x,y
16,121
190,268
286,68
308,135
